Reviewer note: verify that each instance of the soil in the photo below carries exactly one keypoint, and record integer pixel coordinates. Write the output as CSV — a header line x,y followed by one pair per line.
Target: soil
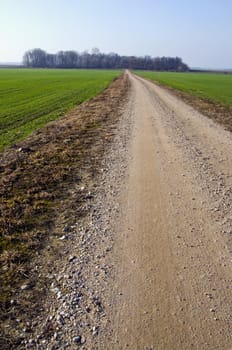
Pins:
x,y
142,255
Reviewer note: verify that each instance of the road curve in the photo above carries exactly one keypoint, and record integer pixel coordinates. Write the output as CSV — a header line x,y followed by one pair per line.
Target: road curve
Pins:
x,y
172,252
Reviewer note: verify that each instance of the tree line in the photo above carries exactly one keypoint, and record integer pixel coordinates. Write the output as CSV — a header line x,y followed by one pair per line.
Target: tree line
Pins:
x,y
38,58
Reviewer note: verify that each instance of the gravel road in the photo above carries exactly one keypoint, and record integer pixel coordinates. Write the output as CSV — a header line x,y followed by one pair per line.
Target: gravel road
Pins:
x,y
151,268
172,252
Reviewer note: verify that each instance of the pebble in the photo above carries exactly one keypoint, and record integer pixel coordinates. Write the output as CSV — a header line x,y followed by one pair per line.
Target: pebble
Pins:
x,y
71,258
89,195
83,340
24,149
59,295
95,330
60,320
26,287
77,339
63,237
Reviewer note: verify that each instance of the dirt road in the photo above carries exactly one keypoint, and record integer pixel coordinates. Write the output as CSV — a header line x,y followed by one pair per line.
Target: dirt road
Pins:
x,y
172,251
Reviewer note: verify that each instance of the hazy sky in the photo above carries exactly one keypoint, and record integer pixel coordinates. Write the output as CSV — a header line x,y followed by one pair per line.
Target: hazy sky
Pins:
x,y
199,31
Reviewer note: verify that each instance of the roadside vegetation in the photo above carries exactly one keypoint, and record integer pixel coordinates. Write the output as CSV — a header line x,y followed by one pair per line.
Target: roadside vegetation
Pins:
x,y
210,93
30,98
44,189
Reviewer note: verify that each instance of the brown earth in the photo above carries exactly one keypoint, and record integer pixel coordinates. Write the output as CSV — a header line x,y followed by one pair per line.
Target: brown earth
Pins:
x,y
140,225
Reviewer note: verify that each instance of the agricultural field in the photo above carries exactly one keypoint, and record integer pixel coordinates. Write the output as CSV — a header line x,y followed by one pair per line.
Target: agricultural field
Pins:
x,y
213,87
30,98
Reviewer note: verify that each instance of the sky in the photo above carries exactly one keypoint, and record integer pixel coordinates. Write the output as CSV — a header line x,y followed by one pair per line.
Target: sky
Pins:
x,y
198,31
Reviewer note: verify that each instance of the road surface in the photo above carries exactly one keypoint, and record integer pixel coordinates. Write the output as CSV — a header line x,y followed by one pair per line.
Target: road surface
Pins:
x,y
172,251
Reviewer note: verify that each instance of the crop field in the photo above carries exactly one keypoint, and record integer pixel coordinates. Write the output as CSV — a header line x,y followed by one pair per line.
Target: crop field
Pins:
x,y
30,98
214,87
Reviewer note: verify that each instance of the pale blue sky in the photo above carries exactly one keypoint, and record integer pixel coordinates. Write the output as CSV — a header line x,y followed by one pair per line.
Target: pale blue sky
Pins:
x,y
199,31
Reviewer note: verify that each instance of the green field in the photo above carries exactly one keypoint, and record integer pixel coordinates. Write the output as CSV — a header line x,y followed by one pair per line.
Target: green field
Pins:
x,y
215,87
30,98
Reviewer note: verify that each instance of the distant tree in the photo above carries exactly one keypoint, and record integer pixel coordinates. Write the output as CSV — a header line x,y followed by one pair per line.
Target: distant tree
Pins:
x,y
85,60
26,59
96,59
50,60
113,60
71,58
95,51
35,58
60,59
